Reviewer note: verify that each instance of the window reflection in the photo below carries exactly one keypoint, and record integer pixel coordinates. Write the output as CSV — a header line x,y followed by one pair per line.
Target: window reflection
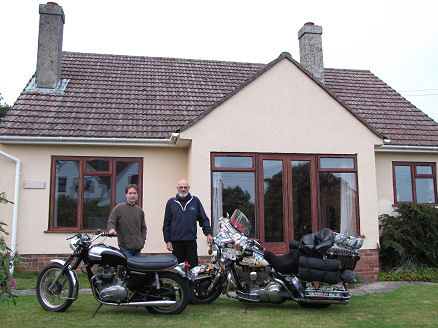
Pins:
x,y
97,200
233,161
302,198
66,196
338,201
273,200
126,173
233,190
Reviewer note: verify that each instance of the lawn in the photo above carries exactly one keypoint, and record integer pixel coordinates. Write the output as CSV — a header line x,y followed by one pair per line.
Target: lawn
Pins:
x,y
412,306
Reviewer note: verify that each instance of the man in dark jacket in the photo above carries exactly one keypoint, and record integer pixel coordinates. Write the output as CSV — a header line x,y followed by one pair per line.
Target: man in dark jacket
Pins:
x,y
179,226
127,222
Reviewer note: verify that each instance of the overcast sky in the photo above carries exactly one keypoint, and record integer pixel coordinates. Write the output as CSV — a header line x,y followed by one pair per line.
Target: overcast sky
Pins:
x,y
395,40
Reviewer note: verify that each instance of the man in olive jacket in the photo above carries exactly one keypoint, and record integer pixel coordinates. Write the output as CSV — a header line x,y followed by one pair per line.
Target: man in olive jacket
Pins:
x,y
127,222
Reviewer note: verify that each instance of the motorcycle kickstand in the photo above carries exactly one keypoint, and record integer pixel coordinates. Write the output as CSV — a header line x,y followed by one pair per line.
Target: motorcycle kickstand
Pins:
x,y
246,307
100,305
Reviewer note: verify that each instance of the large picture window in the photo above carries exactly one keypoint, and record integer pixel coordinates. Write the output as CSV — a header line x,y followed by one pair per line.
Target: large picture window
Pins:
x,y
286,196
414,182
84,190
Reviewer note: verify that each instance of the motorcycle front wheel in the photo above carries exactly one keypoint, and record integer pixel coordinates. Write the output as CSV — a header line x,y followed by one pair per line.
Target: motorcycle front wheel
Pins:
x,y
173,287
199,293
58,298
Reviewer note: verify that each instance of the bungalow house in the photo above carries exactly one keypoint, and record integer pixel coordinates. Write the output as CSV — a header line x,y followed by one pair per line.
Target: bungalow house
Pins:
x,y
296,146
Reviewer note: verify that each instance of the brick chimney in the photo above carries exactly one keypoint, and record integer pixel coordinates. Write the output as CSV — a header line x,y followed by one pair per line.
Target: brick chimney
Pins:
x,y
50,46
311,50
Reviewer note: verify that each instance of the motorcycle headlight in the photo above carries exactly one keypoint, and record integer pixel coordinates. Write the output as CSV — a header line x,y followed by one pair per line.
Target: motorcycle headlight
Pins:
x,y
74,242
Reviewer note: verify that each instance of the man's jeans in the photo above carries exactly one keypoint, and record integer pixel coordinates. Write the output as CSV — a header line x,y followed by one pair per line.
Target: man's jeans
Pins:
x,y
129,253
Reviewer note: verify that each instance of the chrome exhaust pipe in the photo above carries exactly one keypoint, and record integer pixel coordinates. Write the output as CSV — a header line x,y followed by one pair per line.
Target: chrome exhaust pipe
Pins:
x,y
149,303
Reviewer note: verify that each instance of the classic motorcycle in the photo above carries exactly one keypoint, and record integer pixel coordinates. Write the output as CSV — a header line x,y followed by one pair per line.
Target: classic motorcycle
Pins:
x,y
156,282
315,272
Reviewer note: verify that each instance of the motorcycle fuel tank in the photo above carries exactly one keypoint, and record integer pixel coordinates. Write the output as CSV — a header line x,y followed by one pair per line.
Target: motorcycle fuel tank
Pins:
x,y
106,254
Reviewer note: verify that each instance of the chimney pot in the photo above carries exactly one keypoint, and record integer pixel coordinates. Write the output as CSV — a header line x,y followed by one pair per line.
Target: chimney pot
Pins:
x,y
49,55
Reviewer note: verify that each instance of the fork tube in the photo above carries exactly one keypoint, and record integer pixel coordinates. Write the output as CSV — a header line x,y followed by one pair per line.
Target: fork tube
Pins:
x,y
157,280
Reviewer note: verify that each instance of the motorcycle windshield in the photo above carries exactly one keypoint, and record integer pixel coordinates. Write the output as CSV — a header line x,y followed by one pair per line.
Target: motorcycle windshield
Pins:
x,y
240,222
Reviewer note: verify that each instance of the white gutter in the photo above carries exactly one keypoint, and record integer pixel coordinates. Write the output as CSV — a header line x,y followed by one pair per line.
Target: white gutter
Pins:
x,y
406,149
16,197
170,142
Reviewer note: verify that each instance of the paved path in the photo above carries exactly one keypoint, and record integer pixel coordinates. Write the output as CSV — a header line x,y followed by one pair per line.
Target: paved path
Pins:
x,y
384,286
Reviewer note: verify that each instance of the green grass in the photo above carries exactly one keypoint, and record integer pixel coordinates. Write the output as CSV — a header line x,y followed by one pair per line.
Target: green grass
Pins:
x,y
411,306
27,280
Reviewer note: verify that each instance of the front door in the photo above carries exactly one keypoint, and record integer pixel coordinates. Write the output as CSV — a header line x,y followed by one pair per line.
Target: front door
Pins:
x,y
287,204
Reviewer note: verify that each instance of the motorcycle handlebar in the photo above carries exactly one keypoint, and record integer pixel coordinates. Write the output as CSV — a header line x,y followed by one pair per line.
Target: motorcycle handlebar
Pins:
x,y
104,234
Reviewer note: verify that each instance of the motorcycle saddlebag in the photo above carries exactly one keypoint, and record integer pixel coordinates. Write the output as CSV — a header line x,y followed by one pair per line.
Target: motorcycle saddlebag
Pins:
x,y
322,270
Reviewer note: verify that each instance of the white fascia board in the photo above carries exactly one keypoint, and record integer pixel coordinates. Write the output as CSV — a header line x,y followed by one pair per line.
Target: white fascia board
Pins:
x,y
170,142
406,149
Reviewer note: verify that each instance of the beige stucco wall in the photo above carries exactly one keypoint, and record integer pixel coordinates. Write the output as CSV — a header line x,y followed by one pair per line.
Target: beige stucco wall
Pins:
x,y
385,191
283,111
162,167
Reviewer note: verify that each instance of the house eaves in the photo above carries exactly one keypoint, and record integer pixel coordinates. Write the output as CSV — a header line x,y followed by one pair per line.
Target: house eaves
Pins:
x,y
283,55
405,149
172,141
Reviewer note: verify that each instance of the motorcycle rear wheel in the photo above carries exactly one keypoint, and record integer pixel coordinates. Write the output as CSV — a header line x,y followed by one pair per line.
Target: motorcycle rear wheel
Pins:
x,y
199,293
59,298
173,287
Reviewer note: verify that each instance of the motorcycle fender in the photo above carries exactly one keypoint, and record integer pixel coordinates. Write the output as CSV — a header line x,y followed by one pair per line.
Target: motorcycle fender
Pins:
x,y
73,277
177,269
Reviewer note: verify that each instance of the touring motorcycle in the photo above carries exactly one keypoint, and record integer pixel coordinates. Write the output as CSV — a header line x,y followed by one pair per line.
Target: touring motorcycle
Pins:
x,y
315,272
156,282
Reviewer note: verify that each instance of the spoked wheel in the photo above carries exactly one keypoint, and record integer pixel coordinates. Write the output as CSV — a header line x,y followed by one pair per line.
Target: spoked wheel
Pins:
x,y
199,293
59,297
173,287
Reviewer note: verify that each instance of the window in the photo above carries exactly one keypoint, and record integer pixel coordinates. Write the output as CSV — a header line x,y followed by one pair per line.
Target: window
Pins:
x,y
414,182
233,187
338,196
84,190
286,196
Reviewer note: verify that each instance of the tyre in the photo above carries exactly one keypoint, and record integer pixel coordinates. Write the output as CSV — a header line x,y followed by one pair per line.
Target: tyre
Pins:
x,y
199,293
59,298
173,287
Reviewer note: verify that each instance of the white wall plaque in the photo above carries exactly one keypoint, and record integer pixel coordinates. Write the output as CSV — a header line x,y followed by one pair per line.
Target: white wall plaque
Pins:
x,y
34,185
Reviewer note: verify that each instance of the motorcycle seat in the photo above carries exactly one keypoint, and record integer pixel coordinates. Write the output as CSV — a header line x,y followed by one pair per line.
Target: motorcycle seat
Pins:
x,y
151,263
287,263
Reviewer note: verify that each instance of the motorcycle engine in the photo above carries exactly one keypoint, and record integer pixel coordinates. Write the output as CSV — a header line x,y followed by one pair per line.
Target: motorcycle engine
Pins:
x,y
254,277
257,281
110,288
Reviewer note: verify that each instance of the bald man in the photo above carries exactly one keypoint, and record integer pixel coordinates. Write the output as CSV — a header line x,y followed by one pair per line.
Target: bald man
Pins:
x,y
179,226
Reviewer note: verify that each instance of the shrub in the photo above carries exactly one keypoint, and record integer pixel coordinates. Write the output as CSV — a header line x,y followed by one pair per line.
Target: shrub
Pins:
x,y
7,284
418,274
409,237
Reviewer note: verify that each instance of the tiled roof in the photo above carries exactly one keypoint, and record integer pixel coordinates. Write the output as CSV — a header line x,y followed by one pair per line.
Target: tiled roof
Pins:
x,y
146,97
382,107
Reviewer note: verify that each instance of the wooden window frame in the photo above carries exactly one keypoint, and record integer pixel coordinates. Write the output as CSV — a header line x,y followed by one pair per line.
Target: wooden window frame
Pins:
x,y
315,170
414,176
82,173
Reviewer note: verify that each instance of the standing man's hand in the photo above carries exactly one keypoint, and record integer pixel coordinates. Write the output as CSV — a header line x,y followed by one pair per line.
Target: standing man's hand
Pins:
x,y
169,246
112,232
210,240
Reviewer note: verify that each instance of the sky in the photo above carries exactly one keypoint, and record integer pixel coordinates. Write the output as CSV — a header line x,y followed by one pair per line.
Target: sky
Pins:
x,y
396,40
